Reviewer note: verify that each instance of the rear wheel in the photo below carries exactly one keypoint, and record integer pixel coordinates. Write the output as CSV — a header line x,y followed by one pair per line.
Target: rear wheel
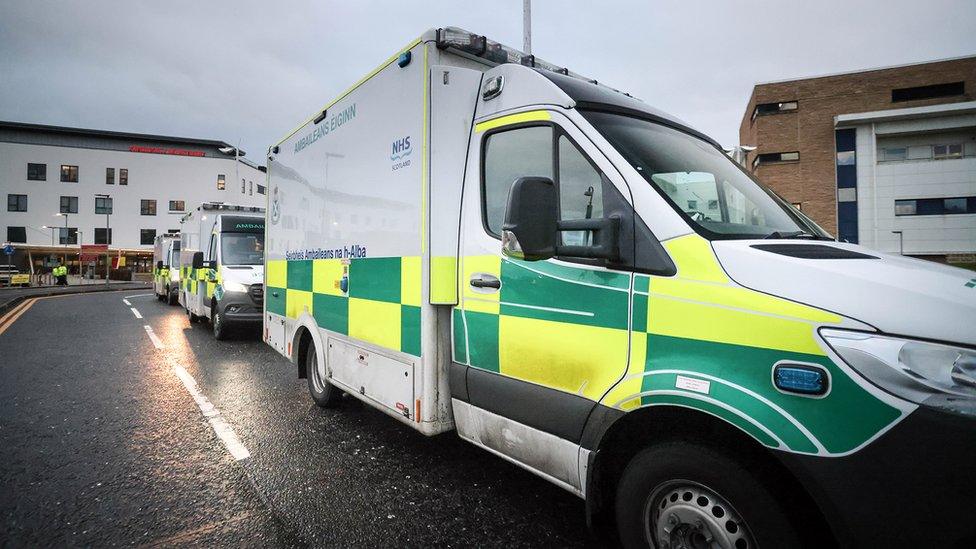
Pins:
x,y
687,495
193,318
171,298
323,393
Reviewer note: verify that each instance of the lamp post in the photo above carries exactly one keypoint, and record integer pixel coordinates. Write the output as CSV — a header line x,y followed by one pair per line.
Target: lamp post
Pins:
x,y
108,232
52,232
67,235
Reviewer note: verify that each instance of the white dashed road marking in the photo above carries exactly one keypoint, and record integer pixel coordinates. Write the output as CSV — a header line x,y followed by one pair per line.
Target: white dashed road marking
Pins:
x,y
224,431
138,295
135,312
126,301
152,336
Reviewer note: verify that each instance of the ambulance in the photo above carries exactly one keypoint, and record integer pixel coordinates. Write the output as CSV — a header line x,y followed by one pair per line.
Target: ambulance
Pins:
x,y
166,276
473,239
222,266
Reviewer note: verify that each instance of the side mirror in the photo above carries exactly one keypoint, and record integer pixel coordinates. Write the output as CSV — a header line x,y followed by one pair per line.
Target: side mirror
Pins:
x,y
197,262
159,265
530,228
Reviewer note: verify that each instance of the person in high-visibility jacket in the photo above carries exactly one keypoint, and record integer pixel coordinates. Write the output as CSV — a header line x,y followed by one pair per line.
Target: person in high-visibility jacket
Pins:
x,y
61,274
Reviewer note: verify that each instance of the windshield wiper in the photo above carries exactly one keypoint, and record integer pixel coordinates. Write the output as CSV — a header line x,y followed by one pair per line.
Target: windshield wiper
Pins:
x,y
792,235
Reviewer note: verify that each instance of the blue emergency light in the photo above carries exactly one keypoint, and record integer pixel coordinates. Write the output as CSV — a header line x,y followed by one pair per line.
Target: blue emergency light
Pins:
x,y
803,380
404,59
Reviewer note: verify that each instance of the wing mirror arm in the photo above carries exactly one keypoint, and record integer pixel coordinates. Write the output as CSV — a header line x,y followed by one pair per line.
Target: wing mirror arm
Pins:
x,y
606,236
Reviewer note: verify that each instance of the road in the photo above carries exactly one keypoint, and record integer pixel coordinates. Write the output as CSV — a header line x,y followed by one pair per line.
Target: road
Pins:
x,y
109,438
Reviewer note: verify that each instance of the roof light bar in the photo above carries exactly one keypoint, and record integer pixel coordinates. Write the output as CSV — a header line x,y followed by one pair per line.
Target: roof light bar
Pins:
x,y
480,46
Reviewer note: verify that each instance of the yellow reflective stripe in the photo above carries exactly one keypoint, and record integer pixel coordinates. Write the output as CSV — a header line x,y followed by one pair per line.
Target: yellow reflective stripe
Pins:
x,y
575,358
349,90
375,321
738,298
476,301
530,116
326,275
695,259
410,285
443,280
296,302
276,273
705,322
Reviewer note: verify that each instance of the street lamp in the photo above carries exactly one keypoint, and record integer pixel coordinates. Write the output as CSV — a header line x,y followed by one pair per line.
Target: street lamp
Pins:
x,y
108,232
52,232
66,235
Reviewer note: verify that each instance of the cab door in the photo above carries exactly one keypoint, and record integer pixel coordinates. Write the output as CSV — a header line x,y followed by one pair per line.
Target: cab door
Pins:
x,y
542,341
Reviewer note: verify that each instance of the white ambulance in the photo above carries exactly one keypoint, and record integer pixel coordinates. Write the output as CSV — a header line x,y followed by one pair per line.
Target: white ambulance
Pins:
x,y
471,238
222,266
166,265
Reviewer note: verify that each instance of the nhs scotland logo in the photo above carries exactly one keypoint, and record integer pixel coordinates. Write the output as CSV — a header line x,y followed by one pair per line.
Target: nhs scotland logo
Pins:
x,y
401,150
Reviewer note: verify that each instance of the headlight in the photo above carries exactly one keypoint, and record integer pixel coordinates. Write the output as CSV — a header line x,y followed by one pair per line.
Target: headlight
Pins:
x,y
940,376
234,287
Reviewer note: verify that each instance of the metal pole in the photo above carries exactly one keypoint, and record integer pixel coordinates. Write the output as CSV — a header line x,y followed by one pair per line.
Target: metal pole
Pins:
x,y
108,241
901,242
527,26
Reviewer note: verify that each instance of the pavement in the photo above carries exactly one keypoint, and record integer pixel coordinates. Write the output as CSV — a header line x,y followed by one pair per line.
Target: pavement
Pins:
x,y
9,297
121,430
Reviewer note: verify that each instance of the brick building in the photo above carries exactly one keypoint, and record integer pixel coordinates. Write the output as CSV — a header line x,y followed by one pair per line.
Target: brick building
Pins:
x,y
882,157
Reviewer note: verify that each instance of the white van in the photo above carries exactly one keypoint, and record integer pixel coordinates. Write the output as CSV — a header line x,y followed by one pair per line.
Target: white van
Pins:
x,y
473,239
222,265
166,273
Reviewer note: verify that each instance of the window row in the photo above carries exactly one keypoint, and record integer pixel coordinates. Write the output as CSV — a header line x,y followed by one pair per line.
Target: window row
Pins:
x,y
925,152
780,107
69,174
931,91
103,205
936,206
68,236
775,158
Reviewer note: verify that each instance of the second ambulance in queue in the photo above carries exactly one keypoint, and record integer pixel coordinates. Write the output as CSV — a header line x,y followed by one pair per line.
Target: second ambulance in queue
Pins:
x,y
222,266
166,261
473,239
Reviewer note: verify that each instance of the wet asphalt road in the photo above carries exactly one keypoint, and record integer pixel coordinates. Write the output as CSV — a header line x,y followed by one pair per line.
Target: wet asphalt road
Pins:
x,y
102,444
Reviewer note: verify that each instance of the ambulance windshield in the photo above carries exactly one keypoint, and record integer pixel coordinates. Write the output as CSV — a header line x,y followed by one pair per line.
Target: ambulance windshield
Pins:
x,y
718,199
242,248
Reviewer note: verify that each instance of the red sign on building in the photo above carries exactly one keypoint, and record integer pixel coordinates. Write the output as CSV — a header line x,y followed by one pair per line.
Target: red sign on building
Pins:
x,y
91,252
164,150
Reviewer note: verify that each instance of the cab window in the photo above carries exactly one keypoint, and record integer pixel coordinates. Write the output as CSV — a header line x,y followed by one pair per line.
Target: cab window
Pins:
x,y
580,188
509,155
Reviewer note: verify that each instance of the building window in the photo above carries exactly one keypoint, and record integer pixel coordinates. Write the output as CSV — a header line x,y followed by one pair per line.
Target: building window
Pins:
x,y
931,91
17,235
110,176
177,206
100,235
243,186
798,206
69,174
147,207
123,176
262,189
221,182
713,204
692,204
936,206
147,237
16,202
69,204
36,172
943,152
764,109
103,205
775,158
250,188
894,153
67,235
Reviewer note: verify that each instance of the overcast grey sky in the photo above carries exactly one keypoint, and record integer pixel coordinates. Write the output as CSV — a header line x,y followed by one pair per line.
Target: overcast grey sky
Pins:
x,y
253,70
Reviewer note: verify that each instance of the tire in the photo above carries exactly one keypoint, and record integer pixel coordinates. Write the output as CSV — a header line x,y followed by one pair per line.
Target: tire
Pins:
x,y
172,298
323,393
218,324
684,491
193,318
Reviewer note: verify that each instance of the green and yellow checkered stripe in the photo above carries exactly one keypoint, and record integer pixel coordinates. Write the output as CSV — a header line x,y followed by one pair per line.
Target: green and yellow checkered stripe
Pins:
x,y
381,306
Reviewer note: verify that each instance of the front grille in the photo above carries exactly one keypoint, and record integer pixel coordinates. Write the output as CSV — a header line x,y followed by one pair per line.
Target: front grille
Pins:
x,y
256,291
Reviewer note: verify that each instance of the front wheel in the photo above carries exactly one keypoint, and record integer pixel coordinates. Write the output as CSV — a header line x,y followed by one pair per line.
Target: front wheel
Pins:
x,y
218,324
683,494
323,393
